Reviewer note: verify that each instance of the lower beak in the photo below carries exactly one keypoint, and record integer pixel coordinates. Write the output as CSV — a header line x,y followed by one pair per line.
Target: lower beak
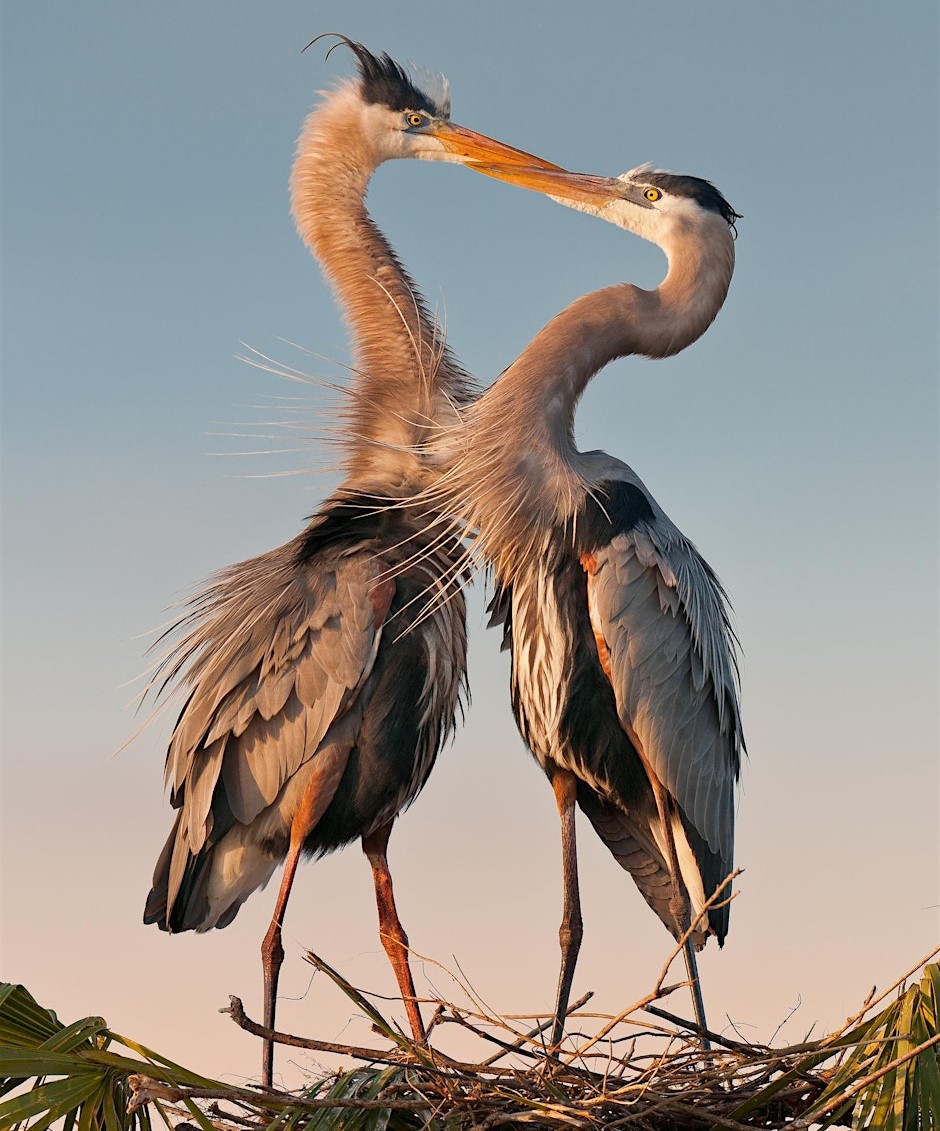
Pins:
x,y
554,181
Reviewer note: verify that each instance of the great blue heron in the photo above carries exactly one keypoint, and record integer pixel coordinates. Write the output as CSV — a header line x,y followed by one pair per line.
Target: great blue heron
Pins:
x,y
318,694
624,675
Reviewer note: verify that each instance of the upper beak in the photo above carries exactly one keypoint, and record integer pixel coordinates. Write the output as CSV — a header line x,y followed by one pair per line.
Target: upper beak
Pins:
x,y
472,147
554,181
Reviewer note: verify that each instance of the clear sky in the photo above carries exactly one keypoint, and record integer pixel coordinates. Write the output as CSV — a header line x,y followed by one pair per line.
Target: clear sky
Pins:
x,y
146,150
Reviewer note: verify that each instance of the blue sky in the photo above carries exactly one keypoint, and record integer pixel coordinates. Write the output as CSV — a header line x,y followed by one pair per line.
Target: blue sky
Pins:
x,y
146,235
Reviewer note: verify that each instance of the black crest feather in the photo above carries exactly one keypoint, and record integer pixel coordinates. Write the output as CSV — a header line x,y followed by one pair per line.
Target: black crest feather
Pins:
x,y
385,82
701,191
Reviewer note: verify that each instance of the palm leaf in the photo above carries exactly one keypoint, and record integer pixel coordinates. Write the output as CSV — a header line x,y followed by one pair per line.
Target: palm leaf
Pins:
x,y
68,1073
891,1078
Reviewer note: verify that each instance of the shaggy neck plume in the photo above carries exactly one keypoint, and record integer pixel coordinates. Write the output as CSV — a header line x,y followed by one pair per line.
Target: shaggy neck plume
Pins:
x,y
406,379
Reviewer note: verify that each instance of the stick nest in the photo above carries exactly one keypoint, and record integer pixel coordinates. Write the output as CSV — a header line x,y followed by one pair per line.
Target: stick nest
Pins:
x,y
643,1069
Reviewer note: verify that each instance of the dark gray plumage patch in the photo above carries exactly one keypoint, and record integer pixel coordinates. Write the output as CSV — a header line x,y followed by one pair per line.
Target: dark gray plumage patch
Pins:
x,y
618,508
701,191
500,610
357,520
386,83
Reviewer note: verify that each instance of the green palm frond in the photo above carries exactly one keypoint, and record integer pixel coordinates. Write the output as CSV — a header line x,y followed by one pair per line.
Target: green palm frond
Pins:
x,y
51,1072
71,1076
66,1083
890,1080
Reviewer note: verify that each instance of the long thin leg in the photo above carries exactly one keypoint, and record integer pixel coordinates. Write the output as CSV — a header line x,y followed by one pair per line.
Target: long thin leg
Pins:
x,y
571,930
680,904
391,932
272,955
691,966
317,794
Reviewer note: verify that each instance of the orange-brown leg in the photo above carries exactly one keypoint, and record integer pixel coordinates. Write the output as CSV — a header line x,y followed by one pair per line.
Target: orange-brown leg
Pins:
x,y
327,770
391,932
571,931
272,955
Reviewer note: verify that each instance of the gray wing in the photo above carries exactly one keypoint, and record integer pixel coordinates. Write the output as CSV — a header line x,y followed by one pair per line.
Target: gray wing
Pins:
x,y
275,655
664,618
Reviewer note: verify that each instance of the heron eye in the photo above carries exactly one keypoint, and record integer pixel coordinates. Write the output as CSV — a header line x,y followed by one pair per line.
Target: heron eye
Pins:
x,y
415,119
652,194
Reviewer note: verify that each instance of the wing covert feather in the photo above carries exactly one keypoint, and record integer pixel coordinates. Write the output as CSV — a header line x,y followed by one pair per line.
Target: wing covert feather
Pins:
x,y
276,653
664,620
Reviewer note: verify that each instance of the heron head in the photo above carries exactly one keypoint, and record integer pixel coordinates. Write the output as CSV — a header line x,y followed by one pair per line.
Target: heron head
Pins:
x,y
408,115
648,201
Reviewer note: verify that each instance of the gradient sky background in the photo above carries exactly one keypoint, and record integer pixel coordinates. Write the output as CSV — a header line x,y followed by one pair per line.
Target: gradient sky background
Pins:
x,y
146,234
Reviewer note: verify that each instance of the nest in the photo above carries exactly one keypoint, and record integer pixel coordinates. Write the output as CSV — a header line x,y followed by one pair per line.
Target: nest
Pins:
x,y
643,1069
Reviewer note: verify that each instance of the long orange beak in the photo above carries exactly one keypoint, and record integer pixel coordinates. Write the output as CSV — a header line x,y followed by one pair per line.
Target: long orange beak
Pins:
x,y
472,147
554,181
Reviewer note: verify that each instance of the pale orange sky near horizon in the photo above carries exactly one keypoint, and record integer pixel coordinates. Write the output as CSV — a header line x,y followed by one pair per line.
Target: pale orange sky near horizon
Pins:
x,y
146,235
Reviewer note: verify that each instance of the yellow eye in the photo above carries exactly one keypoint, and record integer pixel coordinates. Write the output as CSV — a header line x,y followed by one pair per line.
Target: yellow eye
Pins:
x,y
652,194
415,119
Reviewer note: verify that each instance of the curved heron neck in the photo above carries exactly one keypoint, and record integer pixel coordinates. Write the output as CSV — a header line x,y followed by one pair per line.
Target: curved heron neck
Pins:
x,y
519,441
406,380
556,366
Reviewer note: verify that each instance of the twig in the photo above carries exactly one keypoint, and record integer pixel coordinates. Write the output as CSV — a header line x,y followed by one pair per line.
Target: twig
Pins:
x,y
540,1028
436,1018
709,1118
738,1046
615,1021
871,1001
712,901
773,1035
237,1013
145,1090
458,1018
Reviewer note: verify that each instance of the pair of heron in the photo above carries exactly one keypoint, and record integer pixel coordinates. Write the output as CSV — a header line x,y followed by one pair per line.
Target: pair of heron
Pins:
x,y
322,678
